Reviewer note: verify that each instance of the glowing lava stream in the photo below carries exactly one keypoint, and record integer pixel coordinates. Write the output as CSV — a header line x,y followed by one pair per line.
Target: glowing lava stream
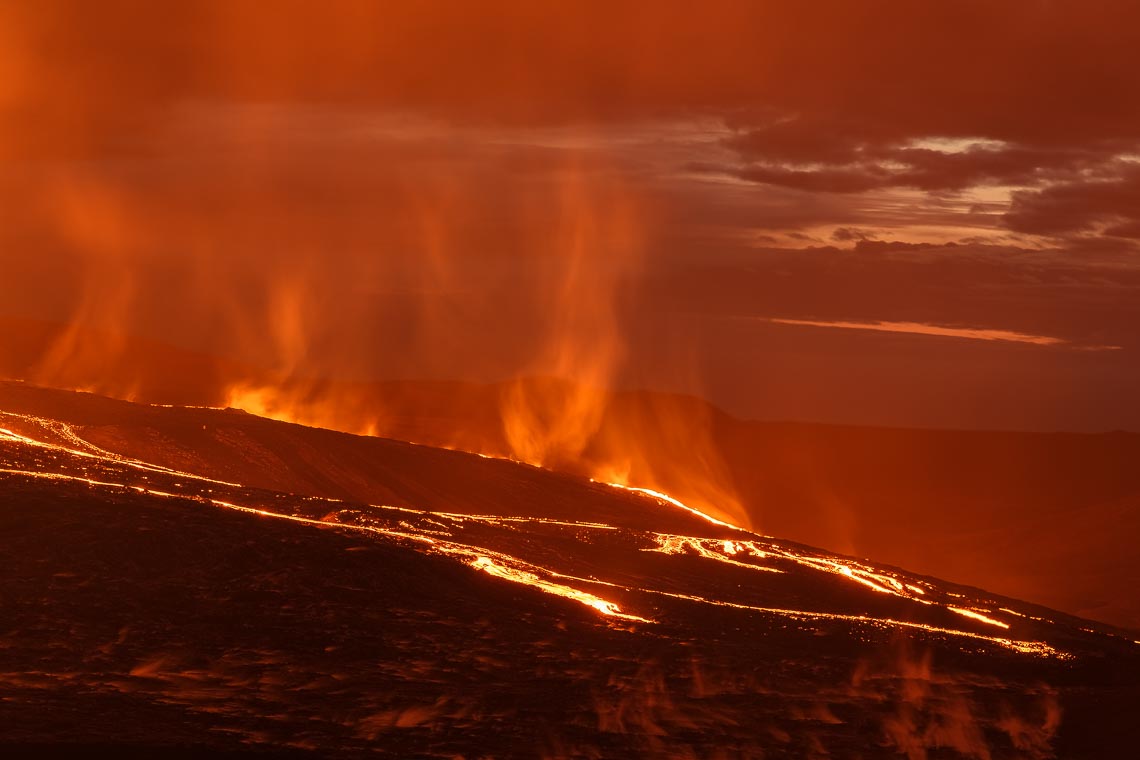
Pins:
x,y
91,451
477,559
854,571
490,566
499,567
978,616
506,567
670,500
847,569
1039,648
672,544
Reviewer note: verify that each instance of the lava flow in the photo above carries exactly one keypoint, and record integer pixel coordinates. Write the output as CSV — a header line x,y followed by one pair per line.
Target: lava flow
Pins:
x,y
740,550
640,572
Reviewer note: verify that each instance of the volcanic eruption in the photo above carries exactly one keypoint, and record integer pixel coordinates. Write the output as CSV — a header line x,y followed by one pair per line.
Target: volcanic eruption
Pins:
x,y
599,380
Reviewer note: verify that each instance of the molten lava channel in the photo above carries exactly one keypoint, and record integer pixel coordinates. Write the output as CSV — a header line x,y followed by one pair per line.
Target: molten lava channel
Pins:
x,y
439,532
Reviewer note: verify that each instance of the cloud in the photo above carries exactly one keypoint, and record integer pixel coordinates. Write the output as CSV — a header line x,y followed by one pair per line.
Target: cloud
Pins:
x,y
393,150
824,97
849,234
889,246
841,158
882,68
1109,202
941,331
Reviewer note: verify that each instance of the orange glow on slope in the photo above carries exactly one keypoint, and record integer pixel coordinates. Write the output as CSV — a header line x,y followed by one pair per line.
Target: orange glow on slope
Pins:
x,y
500,569
727,551
1038,648
501,566
301,406
83,448
286,394
978,616
734,552
706,547
630,461
597,242
586,231
491,567
675,502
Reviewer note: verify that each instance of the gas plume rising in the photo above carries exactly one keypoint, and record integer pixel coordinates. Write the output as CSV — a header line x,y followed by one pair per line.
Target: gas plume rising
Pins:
x,y
94,220
557,412
579,234
596,241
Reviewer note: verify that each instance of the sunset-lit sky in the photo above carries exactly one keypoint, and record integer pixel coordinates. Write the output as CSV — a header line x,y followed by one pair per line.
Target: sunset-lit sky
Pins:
x,y
901,213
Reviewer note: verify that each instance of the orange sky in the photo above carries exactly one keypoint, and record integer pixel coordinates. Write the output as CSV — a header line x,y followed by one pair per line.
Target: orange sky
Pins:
x,y
630,194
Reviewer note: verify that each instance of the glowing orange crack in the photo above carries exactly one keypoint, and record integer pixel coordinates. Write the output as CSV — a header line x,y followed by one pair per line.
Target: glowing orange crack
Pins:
x,y
978,616
476,559
881,583
515,575
91,451
1039,648
679,545
670,500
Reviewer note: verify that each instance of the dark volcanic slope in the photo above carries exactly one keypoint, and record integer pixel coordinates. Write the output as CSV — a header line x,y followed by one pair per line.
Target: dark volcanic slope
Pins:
x,y
234,446
1052,517
507,612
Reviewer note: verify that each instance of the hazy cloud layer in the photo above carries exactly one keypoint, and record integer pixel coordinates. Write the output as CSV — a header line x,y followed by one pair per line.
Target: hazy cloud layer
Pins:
x,y
406,172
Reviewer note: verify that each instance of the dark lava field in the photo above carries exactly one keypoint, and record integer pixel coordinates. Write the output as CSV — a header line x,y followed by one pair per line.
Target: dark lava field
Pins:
x,y
187,582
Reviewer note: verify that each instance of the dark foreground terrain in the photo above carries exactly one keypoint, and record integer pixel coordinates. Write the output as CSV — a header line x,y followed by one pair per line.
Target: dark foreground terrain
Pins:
x,y
195,583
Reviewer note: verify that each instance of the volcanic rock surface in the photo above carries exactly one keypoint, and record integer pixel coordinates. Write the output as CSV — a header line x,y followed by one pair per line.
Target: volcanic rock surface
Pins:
x,y
198,582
